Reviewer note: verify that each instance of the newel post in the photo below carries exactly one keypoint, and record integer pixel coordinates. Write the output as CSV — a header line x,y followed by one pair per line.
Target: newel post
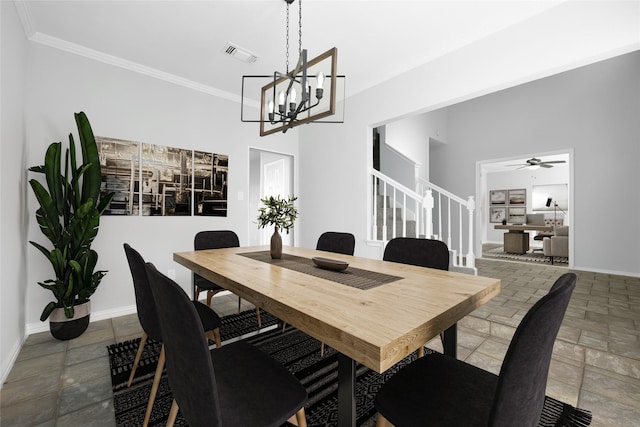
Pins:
x,y
427,204
471,258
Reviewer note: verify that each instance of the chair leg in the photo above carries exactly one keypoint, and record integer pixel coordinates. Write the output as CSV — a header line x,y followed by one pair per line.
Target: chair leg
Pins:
x,y
209,296
239,304
214,335
421,351
143,341
284,326
173,413
301,418
154,388
196,293
321,349
258,316
381,421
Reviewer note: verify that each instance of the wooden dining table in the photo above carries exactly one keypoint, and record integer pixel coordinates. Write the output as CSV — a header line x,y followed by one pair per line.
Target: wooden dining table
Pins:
x,y
374,312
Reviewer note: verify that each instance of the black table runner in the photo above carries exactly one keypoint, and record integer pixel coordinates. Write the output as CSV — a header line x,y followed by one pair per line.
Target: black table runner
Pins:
x,y
354,277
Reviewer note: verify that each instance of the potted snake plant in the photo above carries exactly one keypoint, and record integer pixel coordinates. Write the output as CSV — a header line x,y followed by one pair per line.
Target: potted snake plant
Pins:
x,y
69,217
281,213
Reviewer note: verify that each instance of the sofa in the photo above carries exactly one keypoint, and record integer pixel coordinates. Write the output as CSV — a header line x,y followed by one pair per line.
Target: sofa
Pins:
x,y
558,244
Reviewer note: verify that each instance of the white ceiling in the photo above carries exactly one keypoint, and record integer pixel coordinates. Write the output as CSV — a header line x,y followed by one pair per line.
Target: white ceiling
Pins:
x,y
376,40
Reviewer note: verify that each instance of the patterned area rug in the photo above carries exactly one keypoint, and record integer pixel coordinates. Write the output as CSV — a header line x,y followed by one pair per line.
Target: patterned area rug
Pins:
x,y
301,355
122,355
537,257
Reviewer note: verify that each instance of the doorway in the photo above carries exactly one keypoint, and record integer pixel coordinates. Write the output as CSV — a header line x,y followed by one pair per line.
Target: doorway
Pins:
x,y
513,173
270,174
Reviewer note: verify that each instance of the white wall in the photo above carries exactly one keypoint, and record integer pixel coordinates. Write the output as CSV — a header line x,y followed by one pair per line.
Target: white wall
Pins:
x,y
126,105
593,110
12,189
332,157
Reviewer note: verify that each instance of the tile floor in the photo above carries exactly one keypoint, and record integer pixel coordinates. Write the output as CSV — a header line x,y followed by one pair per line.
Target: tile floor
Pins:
x,y
596,362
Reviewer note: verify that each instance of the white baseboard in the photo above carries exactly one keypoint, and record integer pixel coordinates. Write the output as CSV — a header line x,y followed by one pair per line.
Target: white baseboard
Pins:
x,y
614,272
15,351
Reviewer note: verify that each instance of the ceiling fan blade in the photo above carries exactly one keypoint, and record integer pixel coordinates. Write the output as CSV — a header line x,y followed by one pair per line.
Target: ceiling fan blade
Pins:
x,y
519,164
545,165
555,161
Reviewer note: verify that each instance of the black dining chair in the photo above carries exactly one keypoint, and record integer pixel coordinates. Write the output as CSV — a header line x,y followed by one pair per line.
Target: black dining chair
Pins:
x,y
148,317
215,239
336,242
236,385
420,252
440,390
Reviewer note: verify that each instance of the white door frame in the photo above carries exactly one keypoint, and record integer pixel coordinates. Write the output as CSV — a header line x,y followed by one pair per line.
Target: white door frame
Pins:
x,y
482,209
257,190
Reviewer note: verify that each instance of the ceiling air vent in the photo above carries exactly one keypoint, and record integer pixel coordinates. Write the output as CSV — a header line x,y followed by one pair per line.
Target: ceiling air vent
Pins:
x,y
239,53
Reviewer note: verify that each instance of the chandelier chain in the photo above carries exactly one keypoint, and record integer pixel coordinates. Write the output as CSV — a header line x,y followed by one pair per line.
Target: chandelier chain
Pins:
x,y
287,44
299,27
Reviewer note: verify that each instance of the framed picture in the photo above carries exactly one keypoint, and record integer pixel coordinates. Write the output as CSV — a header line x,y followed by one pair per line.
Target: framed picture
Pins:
x,y
517,216
498,197
497,214
518,197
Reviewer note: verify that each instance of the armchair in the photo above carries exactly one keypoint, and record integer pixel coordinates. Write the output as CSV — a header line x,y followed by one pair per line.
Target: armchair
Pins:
x,y
558,244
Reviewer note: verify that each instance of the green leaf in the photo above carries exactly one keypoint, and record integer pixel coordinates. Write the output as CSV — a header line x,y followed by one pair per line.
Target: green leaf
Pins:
x,y
41,248
47,311
69,291
69,311
53,175
76,266
93,177
47,215
39,169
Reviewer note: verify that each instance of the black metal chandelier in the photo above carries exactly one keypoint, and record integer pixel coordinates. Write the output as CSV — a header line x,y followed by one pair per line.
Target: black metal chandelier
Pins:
x,y
299,95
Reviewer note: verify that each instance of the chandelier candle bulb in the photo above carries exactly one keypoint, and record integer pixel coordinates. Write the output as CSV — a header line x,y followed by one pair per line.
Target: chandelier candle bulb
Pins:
x,y
319,85
270,109
292,99
281,97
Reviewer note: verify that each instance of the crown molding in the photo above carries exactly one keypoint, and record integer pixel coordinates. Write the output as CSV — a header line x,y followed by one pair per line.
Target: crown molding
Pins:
x,y
116,61
24,13
27,24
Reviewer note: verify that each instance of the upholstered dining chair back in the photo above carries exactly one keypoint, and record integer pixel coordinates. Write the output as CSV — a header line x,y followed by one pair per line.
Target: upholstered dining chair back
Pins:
x,y
211,239
147,314
336,242
215,239
421,252
188,361
445,391
523,376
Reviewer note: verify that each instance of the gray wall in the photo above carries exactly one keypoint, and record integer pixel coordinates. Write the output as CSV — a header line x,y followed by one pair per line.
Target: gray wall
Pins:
x,y
334,159
12,189
595,111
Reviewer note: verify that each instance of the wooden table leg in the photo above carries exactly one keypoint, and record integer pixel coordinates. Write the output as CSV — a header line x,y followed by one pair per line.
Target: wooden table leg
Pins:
x,y
346,391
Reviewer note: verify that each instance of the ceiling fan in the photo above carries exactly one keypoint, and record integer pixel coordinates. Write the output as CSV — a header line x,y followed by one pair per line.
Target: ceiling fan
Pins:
x,y
535,163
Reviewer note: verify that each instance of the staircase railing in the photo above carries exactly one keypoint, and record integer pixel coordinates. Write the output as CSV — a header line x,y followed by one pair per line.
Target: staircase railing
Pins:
x,y
412,214
393,202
